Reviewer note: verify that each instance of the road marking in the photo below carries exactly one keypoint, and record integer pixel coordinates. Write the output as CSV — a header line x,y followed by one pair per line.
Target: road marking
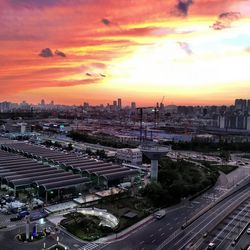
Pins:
x,y
159,229
170,228
175,219
151,235
162,234
153,241
141,242
168,224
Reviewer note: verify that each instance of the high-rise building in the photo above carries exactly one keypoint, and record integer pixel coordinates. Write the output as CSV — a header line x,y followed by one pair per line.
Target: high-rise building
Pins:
x,y
42,102
119,103
240,104
115,104
248,104
133,105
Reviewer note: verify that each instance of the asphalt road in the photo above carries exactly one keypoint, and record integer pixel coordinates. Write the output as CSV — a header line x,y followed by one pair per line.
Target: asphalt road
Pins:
x,y
152,235
243,242
159,233
224,234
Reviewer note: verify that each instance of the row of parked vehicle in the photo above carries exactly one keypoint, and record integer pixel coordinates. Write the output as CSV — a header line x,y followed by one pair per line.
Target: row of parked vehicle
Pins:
x,y
32,215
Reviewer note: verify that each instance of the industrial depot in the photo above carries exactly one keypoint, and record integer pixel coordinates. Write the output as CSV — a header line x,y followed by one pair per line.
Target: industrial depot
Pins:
x,y
55,176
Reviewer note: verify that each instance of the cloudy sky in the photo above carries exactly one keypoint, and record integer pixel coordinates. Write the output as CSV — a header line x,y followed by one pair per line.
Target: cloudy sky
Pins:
x,y
71,51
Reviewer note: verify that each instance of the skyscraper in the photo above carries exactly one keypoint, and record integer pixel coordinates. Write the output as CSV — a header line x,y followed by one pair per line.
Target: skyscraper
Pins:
x,y
42,102
119,103
133,105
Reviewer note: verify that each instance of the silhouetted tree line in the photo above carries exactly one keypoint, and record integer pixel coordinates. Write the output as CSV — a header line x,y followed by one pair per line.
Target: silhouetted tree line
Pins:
x,y
102,140
200,146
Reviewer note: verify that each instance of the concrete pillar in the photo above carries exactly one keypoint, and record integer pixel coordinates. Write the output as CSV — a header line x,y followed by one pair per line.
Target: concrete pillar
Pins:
x,y
27,229
154,170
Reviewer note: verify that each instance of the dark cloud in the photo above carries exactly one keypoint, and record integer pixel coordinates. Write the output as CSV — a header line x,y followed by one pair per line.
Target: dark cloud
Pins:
x,y
185,46
225,20
218,25
95,75
37,3
230,16
183,6
106,21
60,53
47,52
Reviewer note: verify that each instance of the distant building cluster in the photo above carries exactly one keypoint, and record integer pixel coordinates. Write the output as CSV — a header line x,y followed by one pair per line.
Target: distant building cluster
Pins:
x,y
238,117
175,119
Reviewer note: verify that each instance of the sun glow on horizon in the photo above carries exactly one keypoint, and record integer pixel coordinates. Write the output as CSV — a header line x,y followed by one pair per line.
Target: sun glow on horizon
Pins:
x,y
141,51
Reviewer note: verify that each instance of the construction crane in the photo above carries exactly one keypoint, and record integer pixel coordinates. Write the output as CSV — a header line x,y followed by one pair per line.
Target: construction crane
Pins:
x,y
155,110
162,100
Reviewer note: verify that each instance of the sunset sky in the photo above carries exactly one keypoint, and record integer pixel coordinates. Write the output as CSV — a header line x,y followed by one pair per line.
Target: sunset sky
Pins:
x,y
75,51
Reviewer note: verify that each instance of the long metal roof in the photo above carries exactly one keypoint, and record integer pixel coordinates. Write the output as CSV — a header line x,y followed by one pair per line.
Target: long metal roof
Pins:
x,y
71,161
80,160
33,179
64,184
119,175
18,175
92,166
95,169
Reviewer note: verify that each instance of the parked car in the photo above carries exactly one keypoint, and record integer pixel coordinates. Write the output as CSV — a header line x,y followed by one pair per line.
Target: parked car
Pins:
x,y
15,218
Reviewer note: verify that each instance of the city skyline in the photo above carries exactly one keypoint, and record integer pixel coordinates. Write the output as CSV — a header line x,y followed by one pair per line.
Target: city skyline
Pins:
x,y
123,104
193,53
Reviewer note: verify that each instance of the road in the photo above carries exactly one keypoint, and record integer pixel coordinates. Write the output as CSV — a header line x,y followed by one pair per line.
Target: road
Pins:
x,y
166,233
225,233
78,145
243,242
9,242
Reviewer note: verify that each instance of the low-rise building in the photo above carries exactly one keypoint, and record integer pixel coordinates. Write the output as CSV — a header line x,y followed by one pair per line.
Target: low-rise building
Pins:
x,y
129,155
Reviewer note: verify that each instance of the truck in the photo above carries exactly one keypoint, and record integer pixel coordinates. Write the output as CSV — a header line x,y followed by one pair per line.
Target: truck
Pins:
x,y
159,214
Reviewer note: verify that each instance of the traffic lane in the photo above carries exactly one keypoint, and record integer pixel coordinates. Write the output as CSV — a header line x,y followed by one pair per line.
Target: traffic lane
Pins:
x,y
201,224
165,228
150,236
169,222
243,242
142,234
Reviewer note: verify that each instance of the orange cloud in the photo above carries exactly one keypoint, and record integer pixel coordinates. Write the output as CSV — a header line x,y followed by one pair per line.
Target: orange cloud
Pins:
x,y
135,52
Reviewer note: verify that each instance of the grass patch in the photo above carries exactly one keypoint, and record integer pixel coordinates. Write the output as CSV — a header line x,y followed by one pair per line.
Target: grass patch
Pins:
x,y
120,207
85,227
226,169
